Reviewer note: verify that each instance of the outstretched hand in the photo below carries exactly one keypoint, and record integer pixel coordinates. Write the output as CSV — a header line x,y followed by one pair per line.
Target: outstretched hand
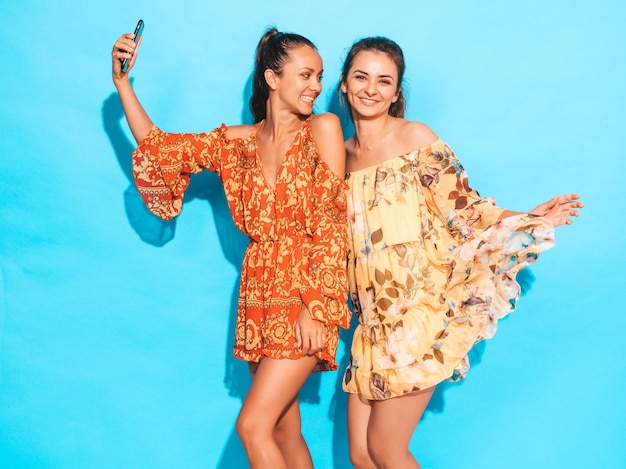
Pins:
x,y
124,48
310,334
559,209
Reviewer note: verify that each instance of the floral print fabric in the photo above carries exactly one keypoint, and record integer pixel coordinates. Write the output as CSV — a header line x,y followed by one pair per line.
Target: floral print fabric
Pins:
x,y
431,270
297,230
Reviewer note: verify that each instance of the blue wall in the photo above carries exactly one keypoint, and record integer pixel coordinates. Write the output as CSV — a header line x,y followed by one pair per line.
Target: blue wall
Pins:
x,y
117,328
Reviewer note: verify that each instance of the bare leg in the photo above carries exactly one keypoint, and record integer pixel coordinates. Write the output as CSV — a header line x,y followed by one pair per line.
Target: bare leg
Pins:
x,y
289,438
271,402
359,411
391,426
288,434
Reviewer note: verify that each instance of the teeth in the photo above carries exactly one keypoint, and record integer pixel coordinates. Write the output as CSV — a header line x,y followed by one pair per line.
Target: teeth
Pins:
x,y
308,98
368,101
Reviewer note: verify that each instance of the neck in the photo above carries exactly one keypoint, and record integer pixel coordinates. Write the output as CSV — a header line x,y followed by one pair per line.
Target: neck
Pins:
x,y
280,122
369,132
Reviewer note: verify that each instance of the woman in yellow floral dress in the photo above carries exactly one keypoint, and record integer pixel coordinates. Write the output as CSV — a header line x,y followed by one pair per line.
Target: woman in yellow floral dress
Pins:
x,y
431,264
283,179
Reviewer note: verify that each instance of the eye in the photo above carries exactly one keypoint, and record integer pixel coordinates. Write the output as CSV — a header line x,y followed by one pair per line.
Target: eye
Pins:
x,y
385,82
359,77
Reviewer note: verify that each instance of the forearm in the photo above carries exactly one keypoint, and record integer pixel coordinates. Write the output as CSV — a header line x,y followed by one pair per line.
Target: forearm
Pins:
x,y
137,118
509,213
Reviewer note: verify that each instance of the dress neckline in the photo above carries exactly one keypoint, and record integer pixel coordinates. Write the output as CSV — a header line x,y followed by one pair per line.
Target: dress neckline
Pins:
x,y
285,158
389,160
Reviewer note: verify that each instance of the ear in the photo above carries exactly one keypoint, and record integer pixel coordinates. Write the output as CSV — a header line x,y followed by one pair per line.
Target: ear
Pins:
x,y
271,79
342,86
395,98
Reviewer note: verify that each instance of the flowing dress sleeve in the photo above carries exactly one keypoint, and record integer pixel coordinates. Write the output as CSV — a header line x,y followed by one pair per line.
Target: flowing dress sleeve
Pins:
x,y
164,162
485,253
324,285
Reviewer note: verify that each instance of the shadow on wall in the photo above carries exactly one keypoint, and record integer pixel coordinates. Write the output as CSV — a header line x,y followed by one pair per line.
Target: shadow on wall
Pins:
x,y
149,227
341,110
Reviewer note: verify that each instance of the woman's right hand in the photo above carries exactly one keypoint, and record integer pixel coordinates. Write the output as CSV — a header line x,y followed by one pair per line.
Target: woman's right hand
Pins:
x,y
124,48
138,121
310,333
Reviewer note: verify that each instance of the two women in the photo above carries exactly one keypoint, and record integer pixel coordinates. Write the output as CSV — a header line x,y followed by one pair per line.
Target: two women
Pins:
x,y
431,264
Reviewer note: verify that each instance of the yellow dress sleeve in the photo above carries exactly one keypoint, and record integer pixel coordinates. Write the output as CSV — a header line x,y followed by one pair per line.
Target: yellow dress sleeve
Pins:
x,y
163,163
449,196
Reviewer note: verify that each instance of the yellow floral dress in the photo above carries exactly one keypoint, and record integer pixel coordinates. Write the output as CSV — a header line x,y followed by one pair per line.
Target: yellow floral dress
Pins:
x,y
431,270
297,231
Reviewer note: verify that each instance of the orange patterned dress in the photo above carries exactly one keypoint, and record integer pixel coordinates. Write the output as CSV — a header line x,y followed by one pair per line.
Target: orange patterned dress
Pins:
x,y
297,231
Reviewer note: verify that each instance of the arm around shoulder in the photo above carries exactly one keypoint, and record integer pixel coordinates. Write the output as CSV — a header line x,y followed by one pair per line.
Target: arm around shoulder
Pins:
x,y
328,136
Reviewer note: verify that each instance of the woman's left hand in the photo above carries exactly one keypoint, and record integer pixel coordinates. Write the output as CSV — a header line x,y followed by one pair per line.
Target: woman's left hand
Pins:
x,y
310,334
559,209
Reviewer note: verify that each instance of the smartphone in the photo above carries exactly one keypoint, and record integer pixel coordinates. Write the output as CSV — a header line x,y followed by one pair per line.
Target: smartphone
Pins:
x,y
138,31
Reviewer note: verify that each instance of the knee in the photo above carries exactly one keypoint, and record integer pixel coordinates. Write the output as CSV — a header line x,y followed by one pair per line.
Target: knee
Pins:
x,y
287,436
247,428
360,458
382,454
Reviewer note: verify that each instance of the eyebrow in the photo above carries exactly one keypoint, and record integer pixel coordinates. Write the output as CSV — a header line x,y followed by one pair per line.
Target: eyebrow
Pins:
x,y
381,76
309,69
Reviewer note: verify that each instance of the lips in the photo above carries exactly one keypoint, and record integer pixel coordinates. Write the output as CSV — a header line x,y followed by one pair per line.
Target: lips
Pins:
x,y
368,101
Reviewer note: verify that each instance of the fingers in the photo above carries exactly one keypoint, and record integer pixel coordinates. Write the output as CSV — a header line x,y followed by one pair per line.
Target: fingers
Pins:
x,y
298,335
571,200
124,48
562,216
311,339
125,45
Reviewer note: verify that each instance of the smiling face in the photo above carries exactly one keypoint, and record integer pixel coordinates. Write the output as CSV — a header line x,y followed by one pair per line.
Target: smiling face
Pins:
x,y
371,84
300,80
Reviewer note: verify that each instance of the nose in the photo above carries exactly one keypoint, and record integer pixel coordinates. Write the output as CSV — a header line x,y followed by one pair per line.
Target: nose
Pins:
x,y
370,87
316,85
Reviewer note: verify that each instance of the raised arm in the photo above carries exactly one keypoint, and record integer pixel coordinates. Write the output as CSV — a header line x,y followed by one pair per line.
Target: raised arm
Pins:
x,y
137,118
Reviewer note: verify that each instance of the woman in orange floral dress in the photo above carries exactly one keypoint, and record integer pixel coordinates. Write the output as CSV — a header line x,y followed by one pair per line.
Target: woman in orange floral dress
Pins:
x,y
283,179
431,264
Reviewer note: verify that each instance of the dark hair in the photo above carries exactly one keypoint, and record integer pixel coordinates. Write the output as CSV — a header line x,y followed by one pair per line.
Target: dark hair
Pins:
x,y
271,53
393,51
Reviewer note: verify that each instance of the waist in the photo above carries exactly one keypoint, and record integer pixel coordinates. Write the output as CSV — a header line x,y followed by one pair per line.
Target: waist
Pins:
x,y
286,240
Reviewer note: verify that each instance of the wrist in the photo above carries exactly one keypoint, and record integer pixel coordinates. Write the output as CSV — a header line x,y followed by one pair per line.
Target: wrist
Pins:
x,y
121,81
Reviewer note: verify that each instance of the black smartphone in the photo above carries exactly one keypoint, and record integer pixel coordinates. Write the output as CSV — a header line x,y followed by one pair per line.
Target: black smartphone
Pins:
x,y
138,31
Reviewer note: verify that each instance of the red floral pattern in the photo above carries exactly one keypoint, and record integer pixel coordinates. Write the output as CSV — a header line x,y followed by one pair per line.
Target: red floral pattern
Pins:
x,y
297,230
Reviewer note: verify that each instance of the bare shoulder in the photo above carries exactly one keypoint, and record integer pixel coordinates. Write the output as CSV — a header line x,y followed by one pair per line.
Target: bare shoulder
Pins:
x,y
240,131
417,134
324,123
326,129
